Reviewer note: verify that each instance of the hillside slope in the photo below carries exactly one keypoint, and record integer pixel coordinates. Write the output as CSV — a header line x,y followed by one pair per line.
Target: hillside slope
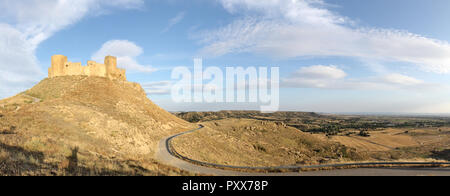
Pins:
x,y
78,125
254,143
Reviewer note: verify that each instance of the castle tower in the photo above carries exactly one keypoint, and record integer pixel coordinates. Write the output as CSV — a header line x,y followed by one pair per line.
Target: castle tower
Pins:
x,y
111,67
111,61
61,67
57,68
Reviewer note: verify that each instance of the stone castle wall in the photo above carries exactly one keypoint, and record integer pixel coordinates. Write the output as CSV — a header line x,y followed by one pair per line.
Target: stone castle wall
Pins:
x,y
61,67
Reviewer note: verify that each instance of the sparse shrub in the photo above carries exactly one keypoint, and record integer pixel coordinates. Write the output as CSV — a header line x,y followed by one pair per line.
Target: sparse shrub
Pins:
x,y
364,133
332,133
261,130
259,147
349,153
306,142
35,144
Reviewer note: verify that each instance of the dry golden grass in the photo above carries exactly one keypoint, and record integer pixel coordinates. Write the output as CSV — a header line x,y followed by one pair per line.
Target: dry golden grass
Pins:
x,y
378,141
245,142
113,124
255,143
77,125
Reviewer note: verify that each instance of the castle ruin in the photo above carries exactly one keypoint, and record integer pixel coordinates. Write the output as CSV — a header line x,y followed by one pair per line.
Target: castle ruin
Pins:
x,y
61,67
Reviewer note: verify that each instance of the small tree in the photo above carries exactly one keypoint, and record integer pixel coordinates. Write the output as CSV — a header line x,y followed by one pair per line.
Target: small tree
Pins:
x,y
364,133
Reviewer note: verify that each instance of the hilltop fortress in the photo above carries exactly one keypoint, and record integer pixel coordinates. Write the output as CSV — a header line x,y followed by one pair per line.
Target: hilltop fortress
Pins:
x,y
61,67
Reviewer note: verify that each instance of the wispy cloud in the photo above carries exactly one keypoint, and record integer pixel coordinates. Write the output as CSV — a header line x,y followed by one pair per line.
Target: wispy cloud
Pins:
x,y
332,77
172,22
298,28
25,24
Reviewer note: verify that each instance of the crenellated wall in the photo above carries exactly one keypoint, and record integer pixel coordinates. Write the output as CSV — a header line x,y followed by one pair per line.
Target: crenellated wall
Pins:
x,y
61,67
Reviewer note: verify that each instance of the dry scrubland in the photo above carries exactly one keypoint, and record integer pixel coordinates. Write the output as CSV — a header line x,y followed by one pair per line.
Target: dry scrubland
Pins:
x,y
77,125
246,142
246,138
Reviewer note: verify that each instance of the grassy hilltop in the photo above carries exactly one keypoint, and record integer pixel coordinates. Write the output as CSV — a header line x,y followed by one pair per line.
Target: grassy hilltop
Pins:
x,y
78,125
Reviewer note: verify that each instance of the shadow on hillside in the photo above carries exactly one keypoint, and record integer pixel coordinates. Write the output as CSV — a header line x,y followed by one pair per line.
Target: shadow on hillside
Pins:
x,y
444,155
14,150
20,162
9,131
73,160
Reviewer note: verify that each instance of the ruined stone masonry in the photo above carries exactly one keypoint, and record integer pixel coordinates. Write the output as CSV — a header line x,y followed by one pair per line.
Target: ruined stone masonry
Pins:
x,y
61,67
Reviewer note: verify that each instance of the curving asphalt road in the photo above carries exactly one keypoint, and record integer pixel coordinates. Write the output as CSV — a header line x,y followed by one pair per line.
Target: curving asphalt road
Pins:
x,y
168,155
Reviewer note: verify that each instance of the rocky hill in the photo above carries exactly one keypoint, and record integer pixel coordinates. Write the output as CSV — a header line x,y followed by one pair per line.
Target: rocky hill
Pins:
x,y
79,125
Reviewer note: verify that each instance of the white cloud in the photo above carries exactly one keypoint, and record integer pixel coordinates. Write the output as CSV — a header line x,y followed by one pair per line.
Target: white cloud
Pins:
x,y
126,53
401,80
296,28
321,71
331,77
40,19
18,65
316,76
172,22
27,23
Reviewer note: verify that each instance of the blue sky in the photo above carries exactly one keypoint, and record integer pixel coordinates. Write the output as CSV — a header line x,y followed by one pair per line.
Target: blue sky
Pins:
x,y
334,56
